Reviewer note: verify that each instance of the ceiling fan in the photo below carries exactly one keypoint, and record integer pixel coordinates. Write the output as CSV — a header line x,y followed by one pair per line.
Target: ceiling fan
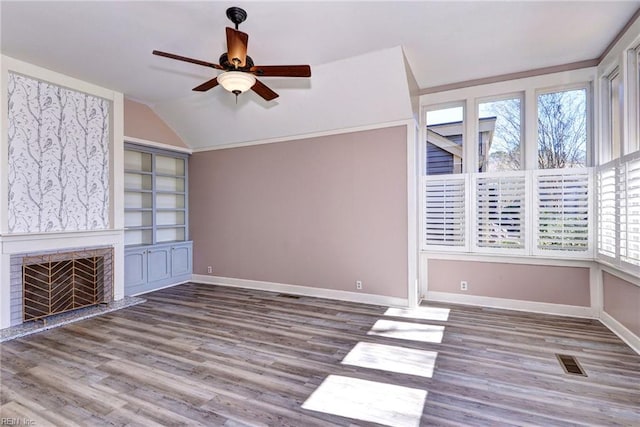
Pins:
x,y
238,69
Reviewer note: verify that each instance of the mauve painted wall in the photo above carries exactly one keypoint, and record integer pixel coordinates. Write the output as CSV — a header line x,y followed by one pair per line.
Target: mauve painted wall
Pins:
x,y
319,212
539,283
142,122
622,301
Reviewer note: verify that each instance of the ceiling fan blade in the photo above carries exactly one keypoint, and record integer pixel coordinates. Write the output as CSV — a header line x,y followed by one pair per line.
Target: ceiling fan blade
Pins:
x,y
185,59
207,85
237,42
281,70
264,91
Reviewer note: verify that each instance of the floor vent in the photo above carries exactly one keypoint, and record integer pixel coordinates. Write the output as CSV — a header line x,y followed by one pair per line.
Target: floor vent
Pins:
x,y
570,365
288,296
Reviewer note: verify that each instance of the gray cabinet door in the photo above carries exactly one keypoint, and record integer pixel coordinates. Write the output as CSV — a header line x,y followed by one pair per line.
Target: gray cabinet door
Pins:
x,y
159,263
135,268
153,267
180,260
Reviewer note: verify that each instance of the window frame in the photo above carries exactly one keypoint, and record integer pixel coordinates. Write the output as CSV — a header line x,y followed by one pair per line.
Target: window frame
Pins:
x,y
527,90
632,93
608,150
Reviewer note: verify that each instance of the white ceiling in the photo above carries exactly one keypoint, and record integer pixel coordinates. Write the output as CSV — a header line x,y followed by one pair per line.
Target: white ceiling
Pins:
x,y
110,43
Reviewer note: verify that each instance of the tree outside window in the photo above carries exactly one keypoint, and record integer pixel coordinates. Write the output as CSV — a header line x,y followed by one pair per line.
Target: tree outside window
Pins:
x,y
499,149
562,129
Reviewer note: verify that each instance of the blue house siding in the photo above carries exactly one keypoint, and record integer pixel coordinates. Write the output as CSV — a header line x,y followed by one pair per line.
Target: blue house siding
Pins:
x,y
439,161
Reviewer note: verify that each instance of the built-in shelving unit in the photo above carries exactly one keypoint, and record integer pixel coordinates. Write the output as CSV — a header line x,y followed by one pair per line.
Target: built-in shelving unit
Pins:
x,y
155,197
156,217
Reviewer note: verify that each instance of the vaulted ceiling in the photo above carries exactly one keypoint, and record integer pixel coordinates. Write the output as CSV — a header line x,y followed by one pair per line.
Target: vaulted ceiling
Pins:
x,y
355,49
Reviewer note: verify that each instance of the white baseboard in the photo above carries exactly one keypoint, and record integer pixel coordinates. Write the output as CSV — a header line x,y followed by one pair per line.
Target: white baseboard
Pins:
x,y
510,304
302,290
621,331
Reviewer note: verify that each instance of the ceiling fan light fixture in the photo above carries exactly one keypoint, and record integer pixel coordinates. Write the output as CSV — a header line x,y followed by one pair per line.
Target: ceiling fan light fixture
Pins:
x,y
236,82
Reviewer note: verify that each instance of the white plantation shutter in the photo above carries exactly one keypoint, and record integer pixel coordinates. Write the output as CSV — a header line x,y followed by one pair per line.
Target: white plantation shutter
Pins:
x,y
500,211
444,212
629,211
537,212
606,215
562,206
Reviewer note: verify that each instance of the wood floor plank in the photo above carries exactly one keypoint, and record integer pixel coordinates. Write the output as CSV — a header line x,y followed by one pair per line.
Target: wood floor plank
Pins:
x,y
214,356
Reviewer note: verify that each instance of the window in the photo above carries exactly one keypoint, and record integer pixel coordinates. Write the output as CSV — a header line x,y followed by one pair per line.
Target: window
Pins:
x,y
518,187
499,135
562,129
629,208
445,130
619,212
635,144
633,94
613,121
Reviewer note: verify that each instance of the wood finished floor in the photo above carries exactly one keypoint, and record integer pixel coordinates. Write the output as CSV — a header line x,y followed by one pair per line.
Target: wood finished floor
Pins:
x,y
206,355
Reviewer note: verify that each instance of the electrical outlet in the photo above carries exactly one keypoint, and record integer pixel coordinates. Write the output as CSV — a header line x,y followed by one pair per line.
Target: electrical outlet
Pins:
x,y
209,269
358,284
464,285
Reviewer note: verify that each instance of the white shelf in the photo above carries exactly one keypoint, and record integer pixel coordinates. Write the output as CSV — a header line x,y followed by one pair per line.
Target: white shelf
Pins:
x,y
155,196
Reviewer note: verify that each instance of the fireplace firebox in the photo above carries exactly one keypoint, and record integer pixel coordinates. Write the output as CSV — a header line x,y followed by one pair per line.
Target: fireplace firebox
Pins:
x,y
60,282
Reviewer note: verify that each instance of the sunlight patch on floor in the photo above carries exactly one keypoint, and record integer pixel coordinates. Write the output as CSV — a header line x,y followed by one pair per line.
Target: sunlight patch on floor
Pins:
x,y
422,313
392,359
408,331
387,404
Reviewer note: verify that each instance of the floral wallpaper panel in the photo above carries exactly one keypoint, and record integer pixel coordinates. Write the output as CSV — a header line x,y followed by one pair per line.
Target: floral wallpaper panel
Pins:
x,y
58,171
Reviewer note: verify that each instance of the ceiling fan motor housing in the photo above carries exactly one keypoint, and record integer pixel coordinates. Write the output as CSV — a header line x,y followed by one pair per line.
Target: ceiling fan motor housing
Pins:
x,y
224,62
